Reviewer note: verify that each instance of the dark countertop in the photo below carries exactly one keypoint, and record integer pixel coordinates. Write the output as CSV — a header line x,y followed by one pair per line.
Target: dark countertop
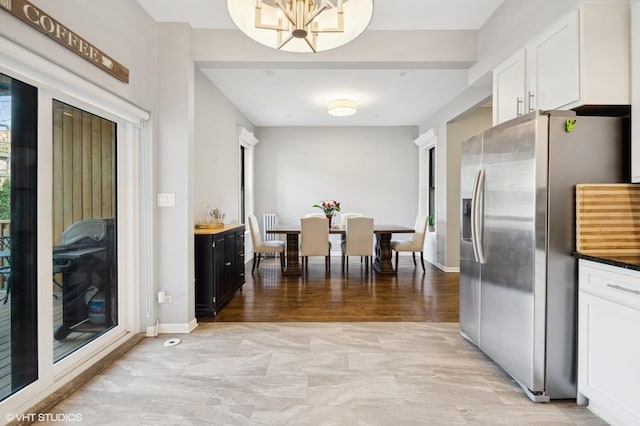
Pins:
x,y
628,262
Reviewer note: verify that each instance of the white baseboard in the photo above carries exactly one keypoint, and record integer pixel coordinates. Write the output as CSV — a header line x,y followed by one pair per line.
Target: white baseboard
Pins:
x,y
444,268
177,328
448,269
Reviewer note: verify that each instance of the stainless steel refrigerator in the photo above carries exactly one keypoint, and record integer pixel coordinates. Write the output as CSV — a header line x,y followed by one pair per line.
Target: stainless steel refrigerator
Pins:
x,y
518,289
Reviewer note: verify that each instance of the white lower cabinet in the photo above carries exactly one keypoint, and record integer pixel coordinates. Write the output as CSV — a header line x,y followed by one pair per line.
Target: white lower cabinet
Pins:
x,y
609,342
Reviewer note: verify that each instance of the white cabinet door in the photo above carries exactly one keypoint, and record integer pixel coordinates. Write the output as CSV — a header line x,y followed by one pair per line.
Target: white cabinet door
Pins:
x,y
609,341
635,92
582,59
553,66
509,89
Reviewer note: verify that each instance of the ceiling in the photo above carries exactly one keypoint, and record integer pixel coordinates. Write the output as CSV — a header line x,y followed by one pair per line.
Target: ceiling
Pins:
x,y
411,61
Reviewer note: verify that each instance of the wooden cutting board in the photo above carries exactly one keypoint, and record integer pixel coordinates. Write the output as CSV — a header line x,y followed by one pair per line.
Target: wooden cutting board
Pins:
x,y
608,219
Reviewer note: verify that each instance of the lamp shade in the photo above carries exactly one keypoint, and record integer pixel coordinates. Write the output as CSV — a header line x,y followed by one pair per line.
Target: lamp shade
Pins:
x,y
301,25
342,107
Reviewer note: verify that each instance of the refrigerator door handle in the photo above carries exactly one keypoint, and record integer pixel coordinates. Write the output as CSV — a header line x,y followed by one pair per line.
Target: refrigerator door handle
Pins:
x,y
476,212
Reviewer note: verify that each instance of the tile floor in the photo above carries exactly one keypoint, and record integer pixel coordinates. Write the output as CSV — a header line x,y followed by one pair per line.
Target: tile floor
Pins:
x,y
312,374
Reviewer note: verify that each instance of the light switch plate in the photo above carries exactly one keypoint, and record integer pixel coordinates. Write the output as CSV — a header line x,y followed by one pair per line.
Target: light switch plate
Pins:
x,y
166,199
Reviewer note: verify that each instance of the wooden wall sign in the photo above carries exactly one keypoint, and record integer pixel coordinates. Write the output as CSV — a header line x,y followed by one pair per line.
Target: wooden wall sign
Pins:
x,y
41,21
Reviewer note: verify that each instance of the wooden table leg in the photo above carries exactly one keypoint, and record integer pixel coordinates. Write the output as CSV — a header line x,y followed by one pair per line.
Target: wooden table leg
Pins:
x,y
293,264
382,263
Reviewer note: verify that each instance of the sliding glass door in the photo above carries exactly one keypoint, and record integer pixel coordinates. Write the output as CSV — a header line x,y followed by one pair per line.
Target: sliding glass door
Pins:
x,y
72,157
18,238
84,227
84,277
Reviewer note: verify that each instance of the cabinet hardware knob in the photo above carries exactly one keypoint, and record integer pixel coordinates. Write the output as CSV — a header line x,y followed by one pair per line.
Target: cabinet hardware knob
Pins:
x,y
227,264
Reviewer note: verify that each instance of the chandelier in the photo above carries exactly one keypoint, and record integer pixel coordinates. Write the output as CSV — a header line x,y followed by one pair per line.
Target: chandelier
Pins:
x,y
301,25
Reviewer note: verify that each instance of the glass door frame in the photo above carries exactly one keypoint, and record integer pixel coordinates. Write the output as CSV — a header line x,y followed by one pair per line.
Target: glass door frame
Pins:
x,y
133,154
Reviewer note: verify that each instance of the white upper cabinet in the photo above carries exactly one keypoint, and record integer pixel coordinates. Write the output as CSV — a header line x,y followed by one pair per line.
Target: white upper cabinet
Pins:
x,y
553,66
508,88
635,101
582,59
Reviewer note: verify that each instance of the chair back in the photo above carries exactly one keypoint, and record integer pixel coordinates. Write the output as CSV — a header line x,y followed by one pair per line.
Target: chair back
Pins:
x,y
345,216
420,229
314,236
359,239
254,228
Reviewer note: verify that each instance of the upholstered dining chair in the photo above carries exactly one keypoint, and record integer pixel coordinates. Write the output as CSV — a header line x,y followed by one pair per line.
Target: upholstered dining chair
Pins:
x,y
314,240
416,243
343,221
345,216
358,240
261,247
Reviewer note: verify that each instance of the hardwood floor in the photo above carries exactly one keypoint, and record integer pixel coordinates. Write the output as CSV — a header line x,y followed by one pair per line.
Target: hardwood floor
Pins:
x,y
411,295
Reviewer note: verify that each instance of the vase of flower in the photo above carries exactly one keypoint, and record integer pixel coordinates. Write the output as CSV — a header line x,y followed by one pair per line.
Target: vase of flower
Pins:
x,y
329,208
330,217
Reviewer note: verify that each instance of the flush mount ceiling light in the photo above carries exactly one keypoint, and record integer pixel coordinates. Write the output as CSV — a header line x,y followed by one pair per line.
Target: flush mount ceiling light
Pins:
x,y
342,107
301,25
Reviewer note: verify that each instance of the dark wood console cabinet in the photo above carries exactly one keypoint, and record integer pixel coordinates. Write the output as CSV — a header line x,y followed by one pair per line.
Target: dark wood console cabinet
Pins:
x,y
219,267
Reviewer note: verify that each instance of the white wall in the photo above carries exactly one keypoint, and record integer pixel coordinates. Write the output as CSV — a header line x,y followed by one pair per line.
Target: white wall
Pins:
x,y
447,238
217,156
175,175
459,130
370,170
197,160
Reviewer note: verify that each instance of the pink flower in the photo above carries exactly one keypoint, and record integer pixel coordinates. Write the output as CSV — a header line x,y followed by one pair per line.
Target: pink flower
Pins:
x,y
328,207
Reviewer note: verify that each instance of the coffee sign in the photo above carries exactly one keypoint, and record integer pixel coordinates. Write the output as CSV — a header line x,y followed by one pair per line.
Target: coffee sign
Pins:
x,y
41,21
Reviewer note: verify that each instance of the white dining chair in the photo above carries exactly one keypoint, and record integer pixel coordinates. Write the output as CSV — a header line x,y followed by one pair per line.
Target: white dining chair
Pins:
x,y
415,244
262,247
314,240
345,216
358,240
343,222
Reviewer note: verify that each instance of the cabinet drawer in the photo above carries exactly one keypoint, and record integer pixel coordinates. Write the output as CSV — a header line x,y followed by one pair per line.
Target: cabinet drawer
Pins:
x,y
615,284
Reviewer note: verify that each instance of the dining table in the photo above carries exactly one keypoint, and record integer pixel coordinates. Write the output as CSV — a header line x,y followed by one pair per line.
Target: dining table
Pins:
x,y
382,259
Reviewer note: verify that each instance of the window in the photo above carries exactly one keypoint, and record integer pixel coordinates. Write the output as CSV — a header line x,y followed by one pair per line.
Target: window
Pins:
x,y
432,182
18,239
247,141
243,193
